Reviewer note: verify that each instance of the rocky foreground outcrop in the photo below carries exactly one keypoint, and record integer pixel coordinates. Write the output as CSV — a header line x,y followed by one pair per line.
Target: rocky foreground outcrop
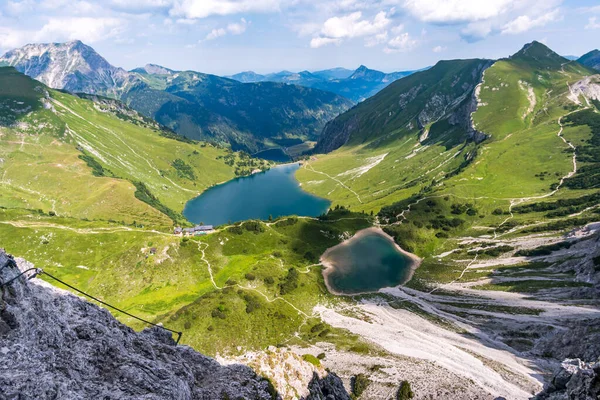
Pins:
x,y
576,380
54,345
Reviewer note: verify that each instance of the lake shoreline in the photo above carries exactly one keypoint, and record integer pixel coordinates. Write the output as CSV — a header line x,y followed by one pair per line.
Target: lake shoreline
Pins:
x,y
274,192
329,268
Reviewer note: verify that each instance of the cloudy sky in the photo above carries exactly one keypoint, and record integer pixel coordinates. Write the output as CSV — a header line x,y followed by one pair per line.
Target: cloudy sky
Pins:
x,y
227,36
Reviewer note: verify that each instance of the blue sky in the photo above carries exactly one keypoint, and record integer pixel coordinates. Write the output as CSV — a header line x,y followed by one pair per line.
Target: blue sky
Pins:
x,y
228,36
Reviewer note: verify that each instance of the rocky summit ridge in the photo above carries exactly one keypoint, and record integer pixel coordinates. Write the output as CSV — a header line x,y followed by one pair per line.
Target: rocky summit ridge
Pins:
x,y
57,345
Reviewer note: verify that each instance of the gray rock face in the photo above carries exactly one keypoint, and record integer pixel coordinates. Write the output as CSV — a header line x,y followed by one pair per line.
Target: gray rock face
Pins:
x,y
337,133
576,380
72,66
54,345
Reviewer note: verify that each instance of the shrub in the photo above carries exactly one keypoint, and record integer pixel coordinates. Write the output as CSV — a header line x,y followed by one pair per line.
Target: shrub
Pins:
x,y
236,229
404,391
290,282
269,280
254,226
311,359
183,169
359,384
250,276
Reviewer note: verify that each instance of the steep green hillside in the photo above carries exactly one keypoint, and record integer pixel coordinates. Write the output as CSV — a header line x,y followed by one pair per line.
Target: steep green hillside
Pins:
x,y
248,116
428,100
394,152
85,158
591,59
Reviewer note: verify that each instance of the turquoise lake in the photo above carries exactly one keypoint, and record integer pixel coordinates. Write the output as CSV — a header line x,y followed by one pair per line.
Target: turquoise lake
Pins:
x,y
366,263
274,192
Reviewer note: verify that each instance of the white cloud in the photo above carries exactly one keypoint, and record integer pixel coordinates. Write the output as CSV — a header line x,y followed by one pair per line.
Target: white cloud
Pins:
x,y
351,26
235,28
377,39
339,28
457,11
205,8
400,43
476,31
438,49
216,33
140,4
593,23
11,38
524,23
86,29
322,41
185,21
238,28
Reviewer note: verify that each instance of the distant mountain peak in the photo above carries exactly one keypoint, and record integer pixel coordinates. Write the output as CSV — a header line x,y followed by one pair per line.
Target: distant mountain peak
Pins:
x,y
540,55
72,66
534,49
155,69
591,59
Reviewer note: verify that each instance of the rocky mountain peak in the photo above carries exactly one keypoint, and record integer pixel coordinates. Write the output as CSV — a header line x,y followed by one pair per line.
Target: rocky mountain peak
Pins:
x,y
72,66
155,69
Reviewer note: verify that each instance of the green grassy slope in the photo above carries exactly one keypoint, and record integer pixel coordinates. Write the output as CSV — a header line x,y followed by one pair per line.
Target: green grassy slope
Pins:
x,y
521,100
82,158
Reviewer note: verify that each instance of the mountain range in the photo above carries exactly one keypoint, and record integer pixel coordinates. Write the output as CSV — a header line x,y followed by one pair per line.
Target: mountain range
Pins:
x,y
485,173
195,105
355,85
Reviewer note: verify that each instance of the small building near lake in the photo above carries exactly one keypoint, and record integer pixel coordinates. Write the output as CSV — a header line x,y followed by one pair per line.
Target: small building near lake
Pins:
x,y
195,231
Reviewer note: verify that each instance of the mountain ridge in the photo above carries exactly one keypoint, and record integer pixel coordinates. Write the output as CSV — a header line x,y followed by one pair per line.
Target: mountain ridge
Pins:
x,y
591,59
193,104
355,85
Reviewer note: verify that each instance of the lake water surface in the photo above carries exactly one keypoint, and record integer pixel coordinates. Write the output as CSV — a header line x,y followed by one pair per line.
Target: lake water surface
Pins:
x,y
277,155
367,262
274,192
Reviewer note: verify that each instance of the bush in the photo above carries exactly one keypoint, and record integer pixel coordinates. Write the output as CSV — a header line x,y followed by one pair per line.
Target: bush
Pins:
x,y
254,226
359,384
250,276
290,282
311,359
269,280
404,391
183,169
236,229
143,193
252,303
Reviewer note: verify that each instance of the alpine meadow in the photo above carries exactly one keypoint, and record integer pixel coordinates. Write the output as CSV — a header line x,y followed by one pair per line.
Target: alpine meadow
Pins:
x,y
311,230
